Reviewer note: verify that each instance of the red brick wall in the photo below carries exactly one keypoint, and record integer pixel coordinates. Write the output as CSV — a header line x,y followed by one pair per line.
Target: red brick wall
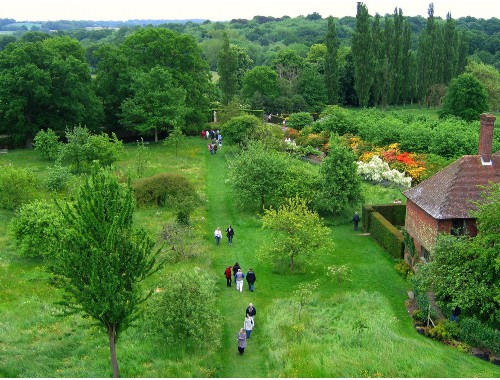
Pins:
x,y
421,226
424,228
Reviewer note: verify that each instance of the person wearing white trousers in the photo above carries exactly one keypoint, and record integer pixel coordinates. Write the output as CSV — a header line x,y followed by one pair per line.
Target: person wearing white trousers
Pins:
x,y
238,278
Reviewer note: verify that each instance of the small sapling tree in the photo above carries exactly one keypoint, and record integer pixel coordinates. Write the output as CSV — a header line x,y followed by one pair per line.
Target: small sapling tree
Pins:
x,y
102,259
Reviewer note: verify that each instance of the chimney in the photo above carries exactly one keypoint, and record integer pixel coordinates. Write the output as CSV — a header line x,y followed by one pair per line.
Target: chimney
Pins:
x,y
486,138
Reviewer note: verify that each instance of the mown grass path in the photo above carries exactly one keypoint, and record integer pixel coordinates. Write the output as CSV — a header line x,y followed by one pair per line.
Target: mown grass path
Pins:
x,y
221,213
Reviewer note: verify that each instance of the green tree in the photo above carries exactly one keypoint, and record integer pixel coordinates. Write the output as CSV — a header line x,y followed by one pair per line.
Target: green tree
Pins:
x,y
239,129
257,174
102,259
175,138
299,235
363,55
331,62
379,59
37,228
45,84
227,66
158,102
490,79
47,144
311,86
260,85
340,183
184,311
466,98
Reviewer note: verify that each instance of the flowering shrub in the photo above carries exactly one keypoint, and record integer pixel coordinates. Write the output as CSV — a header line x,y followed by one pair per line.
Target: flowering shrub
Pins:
x,y
411,164
378,171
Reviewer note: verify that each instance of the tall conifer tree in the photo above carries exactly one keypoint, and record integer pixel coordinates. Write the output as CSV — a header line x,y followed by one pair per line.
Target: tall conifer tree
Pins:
x,y
331,63
363,55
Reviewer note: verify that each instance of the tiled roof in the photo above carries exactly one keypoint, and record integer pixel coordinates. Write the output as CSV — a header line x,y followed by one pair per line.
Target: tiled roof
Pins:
x,y
448,193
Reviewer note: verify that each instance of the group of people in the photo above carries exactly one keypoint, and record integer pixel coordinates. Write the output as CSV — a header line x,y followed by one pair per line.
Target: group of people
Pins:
x,y
229,234
215,140
246,330
238,275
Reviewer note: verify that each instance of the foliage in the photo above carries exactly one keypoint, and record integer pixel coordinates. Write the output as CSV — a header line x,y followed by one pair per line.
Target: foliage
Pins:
x,y
260,86
299,120
444,331
304,294
340,184
337,120
184,311
403,269
58,177
489,76
46,84
466,98
47,144
269,135
300,235
83,148
37,227
478,334
158,102
102,259
175,138
239,129
17,186
164,190
142,158
340,273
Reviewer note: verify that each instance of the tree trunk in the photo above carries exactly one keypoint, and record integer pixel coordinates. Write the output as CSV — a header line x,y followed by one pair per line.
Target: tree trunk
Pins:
x,y
112,349
291,264
156,134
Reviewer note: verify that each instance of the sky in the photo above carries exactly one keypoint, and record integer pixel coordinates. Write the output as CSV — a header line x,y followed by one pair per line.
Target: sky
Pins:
x,y
225,10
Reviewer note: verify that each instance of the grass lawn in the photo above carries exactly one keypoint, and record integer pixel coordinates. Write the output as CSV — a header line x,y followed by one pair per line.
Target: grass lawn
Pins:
x,y
359,328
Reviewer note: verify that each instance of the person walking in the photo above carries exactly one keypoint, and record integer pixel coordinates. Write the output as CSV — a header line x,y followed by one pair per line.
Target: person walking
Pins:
x,y
251,279
217,235
229,276
242,341
248,325
239,280
215,148
355,220
252,312
210,149
230,234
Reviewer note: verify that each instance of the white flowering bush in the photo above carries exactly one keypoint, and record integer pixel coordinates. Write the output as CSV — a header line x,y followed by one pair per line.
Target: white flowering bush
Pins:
x,y
378,171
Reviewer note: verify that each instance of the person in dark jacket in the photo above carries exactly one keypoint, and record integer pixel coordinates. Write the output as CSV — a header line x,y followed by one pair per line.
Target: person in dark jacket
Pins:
x,y
251,311
230,234
355,220
251,279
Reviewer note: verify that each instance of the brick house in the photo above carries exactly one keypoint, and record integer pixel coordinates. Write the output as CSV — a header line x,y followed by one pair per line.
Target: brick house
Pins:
x,y
443,202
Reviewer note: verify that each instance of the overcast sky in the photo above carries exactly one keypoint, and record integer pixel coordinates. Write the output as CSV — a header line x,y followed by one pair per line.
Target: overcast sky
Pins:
x,y
225,10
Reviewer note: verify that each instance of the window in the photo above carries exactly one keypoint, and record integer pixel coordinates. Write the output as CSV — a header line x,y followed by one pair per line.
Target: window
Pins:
x,y
458,227
425,255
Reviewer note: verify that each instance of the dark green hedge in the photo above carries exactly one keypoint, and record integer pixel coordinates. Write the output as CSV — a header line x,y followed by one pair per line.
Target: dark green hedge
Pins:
x,y
366,210
388,236
394,213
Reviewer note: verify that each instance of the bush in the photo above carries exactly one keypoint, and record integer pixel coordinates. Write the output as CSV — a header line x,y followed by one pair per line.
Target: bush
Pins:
x,y
337,120
180,242
444,331
57,178
186,313
239,129
36,227
167,189
478,334
47,144
403,269
17,186
299,120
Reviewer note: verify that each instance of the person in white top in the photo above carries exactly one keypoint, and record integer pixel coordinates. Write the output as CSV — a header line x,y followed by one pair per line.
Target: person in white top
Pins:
x,y
217,235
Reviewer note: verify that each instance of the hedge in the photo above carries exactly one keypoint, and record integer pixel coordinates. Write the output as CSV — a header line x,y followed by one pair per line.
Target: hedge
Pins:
x,y
388,236
394,213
